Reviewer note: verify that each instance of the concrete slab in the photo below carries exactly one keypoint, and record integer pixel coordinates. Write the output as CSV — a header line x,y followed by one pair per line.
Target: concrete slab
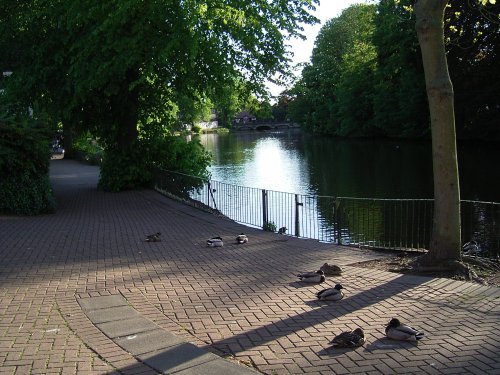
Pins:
x,y
188,359
127,327
144,342
111,314
217,367
102,302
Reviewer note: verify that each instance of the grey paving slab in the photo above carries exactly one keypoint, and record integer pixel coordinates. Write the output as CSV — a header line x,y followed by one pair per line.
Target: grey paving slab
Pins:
x,y
188,359
144,342
217,367
111,314
127,327
102,302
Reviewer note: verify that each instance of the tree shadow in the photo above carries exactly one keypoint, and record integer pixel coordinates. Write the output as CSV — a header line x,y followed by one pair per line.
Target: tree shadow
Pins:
x,y
325,311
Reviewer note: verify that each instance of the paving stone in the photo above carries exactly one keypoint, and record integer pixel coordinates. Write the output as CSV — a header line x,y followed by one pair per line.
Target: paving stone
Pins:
x,y
187,359
144,342
102,302
127,327
111,314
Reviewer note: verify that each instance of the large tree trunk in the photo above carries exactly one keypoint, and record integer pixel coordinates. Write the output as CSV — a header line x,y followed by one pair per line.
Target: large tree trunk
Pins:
x,y
445,241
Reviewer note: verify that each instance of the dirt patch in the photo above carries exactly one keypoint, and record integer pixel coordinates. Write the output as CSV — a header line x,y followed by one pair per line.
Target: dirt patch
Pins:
x,y
481,270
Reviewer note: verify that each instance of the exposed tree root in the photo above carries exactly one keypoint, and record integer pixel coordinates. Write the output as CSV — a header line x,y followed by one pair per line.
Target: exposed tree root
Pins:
x,y
479,270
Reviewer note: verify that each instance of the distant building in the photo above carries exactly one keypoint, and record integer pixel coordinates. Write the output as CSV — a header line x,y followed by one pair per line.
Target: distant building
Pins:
x,y
244,117
211,123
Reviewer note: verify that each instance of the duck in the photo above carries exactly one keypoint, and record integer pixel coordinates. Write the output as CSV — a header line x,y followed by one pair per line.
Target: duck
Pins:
x,y
312,277
215,242
282,230
331,269
331,294
398,331
350,339
472,248
241,238
153,237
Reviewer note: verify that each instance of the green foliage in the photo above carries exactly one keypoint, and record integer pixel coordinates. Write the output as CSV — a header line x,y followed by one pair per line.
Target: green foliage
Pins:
x,y
473,45
122,171
176,154
366,76
269,226
400,99
342,66
196,129
89,149
24,162
131,71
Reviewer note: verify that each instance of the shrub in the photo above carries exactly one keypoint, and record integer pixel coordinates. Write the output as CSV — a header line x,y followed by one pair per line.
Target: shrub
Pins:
x,y
269,226
196,129
24,162
88,149
128,170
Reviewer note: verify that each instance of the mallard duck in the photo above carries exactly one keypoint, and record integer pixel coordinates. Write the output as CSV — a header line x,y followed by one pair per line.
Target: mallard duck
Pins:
x,y
397,331
331,294
282,230
331,269
241,238
472,248
351,339
215,242
312,277
310,274
153,237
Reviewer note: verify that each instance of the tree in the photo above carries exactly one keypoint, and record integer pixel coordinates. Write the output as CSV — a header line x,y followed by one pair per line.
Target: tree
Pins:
x,y
446,240
342,64
120,67
399,100
472,38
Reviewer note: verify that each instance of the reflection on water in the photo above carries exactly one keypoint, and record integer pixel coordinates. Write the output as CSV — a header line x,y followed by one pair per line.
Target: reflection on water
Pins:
x,y
299,163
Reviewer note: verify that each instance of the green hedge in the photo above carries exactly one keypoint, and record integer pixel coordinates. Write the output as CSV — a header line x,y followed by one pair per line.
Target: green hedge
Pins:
x,y
24,162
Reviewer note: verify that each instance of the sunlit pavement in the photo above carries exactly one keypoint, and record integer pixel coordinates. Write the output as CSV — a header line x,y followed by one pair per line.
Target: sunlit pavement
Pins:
x,y
241,302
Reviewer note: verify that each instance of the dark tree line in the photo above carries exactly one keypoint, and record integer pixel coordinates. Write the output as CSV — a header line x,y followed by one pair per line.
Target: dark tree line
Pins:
x,y
366,76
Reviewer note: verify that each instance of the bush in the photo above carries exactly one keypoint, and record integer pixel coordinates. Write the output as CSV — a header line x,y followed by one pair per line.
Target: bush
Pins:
x,y
87,149
24,162
269,226
124,170
134,169
196,129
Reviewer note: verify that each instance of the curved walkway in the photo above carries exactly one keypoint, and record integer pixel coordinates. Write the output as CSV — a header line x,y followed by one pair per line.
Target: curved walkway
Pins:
x,y
70,280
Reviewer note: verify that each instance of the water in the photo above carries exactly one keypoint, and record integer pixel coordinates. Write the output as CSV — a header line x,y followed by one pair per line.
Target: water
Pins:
x,y
295,162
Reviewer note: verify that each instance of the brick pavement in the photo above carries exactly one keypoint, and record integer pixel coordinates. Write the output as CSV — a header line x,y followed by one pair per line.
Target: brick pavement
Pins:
x,y
241,302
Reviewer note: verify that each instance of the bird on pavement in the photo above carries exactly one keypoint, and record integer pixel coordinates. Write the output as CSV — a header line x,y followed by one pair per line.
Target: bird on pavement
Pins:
x,y
331,294
215,242
398,331
282,230
153,237
312,277
241,238
350,339
472,248
331,269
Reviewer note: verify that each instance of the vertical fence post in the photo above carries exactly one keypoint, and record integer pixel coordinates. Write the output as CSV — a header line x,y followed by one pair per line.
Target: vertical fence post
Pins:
x,y
209,189
264,209
337,220
297,219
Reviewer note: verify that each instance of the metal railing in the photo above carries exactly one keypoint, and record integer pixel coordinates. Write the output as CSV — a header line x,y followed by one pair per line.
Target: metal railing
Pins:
x,y
398,224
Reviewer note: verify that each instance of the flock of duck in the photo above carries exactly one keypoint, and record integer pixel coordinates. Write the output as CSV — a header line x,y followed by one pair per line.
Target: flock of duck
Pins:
x,y
395,329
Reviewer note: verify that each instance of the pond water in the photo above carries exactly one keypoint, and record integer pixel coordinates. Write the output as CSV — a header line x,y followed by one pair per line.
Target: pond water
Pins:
x,y
295,162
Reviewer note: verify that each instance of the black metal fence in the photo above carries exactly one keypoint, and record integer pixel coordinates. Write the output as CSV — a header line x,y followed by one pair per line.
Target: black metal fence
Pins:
x,y
400,224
